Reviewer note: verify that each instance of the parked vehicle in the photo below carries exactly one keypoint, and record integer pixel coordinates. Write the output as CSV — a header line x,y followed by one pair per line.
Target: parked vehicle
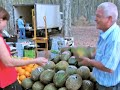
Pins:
x,y
52,13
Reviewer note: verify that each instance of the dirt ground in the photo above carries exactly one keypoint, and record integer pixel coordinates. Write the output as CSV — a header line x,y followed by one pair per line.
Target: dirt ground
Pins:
x,y
85,35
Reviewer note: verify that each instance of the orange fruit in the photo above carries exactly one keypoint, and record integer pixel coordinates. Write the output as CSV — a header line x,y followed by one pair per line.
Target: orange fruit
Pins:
x,y
30,65
23,67
17,68
28,69
27,74
35,66
22,77
21,72
25,58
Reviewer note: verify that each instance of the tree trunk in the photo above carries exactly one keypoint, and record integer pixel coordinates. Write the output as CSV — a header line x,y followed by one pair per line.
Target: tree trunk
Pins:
x,y
67,18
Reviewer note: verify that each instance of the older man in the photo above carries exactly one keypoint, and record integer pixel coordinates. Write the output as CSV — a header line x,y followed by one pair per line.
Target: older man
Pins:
x,y
107,60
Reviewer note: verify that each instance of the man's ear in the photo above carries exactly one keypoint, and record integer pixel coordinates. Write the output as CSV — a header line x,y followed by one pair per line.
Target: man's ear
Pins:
x,y
110,18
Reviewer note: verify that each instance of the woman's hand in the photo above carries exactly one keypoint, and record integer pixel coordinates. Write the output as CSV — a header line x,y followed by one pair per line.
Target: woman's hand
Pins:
x,y
41,61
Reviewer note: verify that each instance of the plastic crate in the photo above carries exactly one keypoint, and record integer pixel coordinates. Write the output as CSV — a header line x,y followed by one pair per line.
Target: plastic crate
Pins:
x,y
29,52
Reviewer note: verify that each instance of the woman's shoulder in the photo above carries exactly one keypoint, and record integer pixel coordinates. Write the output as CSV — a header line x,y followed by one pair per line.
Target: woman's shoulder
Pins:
x,y
1,38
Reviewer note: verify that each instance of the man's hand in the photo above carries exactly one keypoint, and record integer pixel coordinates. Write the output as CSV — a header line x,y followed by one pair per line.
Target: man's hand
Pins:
x,y
84,61
41,61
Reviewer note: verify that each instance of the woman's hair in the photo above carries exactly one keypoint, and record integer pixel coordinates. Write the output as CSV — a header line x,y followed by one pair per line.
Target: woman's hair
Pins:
x,y
4,14
110,9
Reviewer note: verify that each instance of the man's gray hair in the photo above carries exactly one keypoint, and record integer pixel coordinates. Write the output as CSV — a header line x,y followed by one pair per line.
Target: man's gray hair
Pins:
x,y
110,9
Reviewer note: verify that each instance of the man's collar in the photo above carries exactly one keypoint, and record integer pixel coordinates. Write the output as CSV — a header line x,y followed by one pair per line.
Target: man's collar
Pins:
x,y
105,34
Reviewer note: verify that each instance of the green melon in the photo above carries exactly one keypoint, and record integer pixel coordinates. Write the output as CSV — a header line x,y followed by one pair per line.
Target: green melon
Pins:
x,y
47,76
65,55
50,86
92,78
71,70
38,86
72,60
84,72
60,78
62,65
87,85
65,49
79,64
72,50
80,51
62,88
56,59
27,83
49,65
74,82
36,73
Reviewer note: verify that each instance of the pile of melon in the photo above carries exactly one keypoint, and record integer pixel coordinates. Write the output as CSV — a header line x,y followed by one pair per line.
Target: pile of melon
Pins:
x,y
63,72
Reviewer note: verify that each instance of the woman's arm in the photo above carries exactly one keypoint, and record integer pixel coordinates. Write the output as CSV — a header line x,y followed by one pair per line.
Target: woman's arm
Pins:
x,y
8,61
